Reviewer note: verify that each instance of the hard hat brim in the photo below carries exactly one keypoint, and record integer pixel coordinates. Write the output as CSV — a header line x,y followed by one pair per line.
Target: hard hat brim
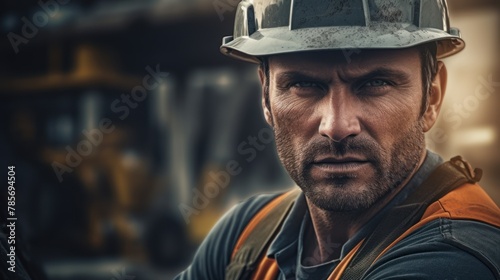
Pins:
x,y
282,40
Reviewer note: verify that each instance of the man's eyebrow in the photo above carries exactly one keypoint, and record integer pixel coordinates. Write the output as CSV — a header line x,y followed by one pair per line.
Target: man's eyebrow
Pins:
x,y
398,75
395,74
296,75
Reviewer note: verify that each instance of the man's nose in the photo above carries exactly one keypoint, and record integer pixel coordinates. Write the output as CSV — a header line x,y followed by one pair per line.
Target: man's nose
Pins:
x,y
339,118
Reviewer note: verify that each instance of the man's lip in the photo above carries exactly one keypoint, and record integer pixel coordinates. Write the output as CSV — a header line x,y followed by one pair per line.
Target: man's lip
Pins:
x,y
338,165
338,160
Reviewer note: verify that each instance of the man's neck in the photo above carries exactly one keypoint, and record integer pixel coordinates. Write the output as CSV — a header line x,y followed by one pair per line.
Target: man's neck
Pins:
x,y
330,230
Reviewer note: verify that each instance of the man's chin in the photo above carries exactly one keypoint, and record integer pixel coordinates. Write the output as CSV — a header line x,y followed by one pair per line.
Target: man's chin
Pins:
x,y
345,205
342,195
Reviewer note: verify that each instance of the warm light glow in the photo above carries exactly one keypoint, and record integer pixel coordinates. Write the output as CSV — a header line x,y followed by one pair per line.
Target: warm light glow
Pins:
x,y
475,137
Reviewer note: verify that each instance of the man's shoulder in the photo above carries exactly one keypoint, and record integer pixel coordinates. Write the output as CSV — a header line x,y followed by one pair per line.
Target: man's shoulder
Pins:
x,y
234,221
462,226
467,202
443,249
245,210
214,253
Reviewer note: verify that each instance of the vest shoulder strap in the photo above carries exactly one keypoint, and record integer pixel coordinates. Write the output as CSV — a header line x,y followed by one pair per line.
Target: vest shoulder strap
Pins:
x,y
257,236
444,179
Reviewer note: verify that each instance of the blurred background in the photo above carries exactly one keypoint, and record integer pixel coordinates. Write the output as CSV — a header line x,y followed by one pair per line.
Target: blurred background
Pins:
x,y
122,120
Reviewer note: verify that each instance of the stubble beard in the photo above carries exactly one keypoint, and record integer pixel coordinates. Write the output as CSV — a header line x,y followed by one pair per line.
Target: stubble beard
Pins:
x,y
391,168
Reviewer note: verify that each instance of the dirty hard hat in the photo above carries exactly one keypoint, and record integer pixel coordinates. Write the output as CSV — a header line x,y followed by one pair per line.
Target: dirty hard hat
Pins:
x,y
269,27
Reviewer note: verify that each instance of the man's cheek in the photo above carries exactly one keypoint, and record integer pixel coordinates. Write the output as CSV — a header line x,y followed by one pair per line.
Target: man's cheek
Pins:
x,y
293,112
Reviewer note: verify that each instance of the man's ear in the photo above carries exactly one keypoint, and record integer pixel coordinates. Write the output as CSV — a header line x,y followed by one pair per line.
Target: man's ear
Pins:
x,y
265,108
436,96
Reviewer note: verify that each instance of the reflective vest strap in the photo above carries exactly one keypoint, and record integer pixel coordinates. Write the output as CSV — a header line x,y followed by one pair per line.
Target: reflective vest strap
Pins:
x,y
339,270
468,202
256,220
267,270
248,257
443,180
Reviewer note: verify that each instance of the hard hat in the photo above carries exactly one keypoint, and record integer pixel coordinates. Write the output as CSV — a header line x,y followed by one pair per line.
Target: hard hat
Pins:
x,y
270,27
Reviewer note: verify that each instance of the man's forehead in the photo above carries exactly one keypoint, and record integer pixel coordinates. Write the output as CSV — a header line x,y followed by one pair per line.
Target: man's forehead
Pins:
x,y
348,59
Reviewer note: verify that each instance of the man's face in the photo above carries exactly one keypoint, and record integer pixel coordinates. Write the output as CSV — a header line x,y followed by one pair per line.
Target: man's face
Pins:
x,y
347,132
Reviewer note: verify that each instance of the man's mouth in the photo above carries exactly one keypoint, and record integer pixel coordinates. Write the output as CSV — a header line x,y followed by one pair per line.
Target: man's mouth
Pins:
x,y
339,165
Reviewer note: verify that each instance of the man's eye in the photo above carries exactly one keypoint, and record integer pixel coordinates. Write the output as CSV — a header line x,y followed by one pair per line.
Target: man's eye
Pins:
x,y
305,84
376,83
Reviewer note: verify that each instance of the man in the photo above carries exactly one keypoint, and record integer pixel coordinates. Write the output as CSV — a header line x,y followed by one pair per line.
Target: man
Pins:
x,y
350,88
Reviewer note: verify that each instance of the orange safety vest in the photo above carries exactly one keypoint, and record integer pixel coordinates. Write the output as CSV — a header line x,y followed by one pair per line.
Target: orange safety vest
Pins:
x,y
469,201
